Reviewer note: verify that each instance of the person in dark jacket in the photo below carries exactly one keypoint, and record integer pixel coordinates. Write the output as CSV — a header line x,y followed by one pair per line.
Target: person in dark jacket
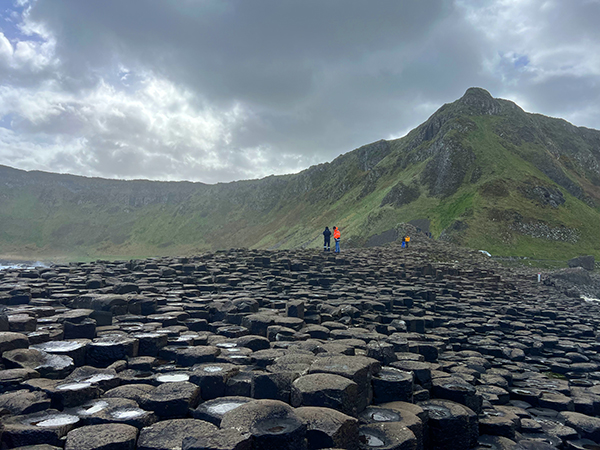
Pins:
x,y
327,236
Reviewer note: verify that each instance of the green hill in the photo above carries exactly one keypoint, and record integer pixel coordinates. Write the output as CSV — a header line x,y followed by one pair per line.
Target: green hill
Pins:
x,y
479,172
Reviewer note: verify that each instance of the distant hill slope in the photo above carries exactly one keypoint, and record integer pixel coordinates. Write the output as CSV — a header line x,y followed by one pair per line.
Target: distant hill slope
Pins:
x,y
479,172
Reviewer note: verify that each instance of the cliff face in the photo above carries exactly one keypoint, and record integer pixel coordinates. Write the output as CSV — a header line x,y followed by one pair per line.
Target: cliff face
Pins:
x,y
480,172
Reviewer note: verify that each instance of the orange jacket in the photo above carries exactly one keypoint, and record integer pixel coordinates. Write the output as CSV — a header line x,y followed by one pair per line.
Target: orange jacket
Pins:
x,y
407,238
336,233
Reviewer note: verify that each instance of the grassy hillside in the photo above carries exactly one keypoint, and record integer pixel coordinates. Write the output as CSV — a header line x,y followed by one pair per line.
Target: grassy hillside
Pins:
x,y
480,172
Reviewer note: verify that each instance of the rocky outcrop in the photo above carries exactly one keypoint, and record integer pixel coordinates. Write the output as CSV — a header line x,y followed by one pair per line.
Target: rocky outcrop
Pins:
x,y
454,232
587,262
550,168
370,155
543,195
480,102
445,172
540,230
575,282
401,195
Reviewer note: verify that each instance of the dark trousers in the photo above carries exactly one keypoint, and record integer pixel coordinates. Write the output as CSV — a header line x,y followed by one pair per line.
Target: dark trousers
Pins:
x,y
326,243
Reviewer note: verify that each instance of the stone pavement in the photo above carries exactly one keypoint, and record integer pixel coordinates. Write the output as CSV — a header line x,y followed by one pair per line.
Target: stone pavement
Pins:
x,y
244,349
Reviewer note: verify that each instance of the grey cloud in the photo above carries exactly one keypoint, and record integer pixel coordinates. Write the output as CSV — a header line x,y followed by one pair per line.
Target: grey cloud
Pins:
x,y
245,50
311,79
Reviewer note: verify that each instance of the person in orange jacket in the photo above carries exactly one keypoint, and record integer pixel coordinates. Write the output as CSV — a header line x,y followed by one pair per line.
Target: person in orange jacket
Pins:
x,y
336,237
407,240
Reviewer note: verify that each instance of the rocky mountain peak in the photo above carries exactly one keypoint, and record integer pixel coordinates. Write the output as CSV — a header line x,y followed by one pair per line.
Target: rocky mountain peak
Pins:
x,y
480,101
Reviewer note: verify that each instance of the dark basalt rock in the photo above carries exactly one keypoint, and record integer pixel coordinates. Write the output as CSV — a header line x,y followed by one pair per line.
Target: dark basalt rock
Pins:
x,y
272,424
213,410
173,399
450,425
169,434
213,378
587,262
386,436
11,341
113,410
269,385
103,351
326,390
46,364
391,385
136,392
377,414
105,379
329,428
75,349
11,379
102,437
46,427
367,333
24,402
229,439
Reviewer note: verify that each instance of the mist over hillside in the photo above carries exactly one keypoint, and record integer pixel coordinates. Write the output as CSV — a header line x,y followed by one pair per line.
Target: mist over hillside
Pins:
x,y
480,172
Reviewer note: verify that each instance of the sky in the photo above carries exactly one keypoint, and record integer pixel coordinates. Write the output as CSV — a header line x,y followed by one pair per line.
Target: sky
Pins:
x,y
222,90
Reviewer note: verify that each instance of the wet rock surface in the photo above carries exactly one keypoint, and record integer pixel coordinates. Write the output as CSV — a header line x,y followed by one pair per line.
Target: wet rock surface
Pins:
x,y
423,348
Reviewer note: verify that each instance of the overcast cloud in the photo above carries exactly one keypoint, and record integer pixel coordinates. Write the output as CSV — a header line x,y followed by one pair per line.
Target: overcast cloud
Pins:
x,y
221,90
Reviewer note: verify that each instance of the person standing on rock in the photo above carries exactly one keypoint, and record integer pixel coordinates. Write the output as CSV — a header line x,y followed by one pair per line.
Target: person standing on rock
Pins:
x,y
327,236
407,240
336,237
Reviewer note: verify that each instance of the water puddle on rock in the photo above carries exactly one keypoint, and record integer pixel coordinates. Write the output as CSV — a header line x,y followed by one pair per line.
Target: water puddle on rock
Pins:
x,y
73,386
437,412
212,369
457,387
128,413
222,408
226,344
97,407
522,392
372,440
172,378
60,346
58,420
384,416
99,377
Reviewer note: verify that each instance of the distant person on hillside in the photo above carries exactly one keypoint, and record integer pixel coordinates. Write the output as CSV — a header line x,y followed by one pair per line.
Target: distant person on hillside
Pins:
x,y
327,236
403,242
407,240
336,236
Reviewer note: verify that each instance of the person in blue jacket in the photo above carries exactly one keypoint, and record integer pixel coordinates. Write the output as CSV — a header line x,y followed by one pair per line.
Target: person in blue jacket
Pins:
x,y
327,236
